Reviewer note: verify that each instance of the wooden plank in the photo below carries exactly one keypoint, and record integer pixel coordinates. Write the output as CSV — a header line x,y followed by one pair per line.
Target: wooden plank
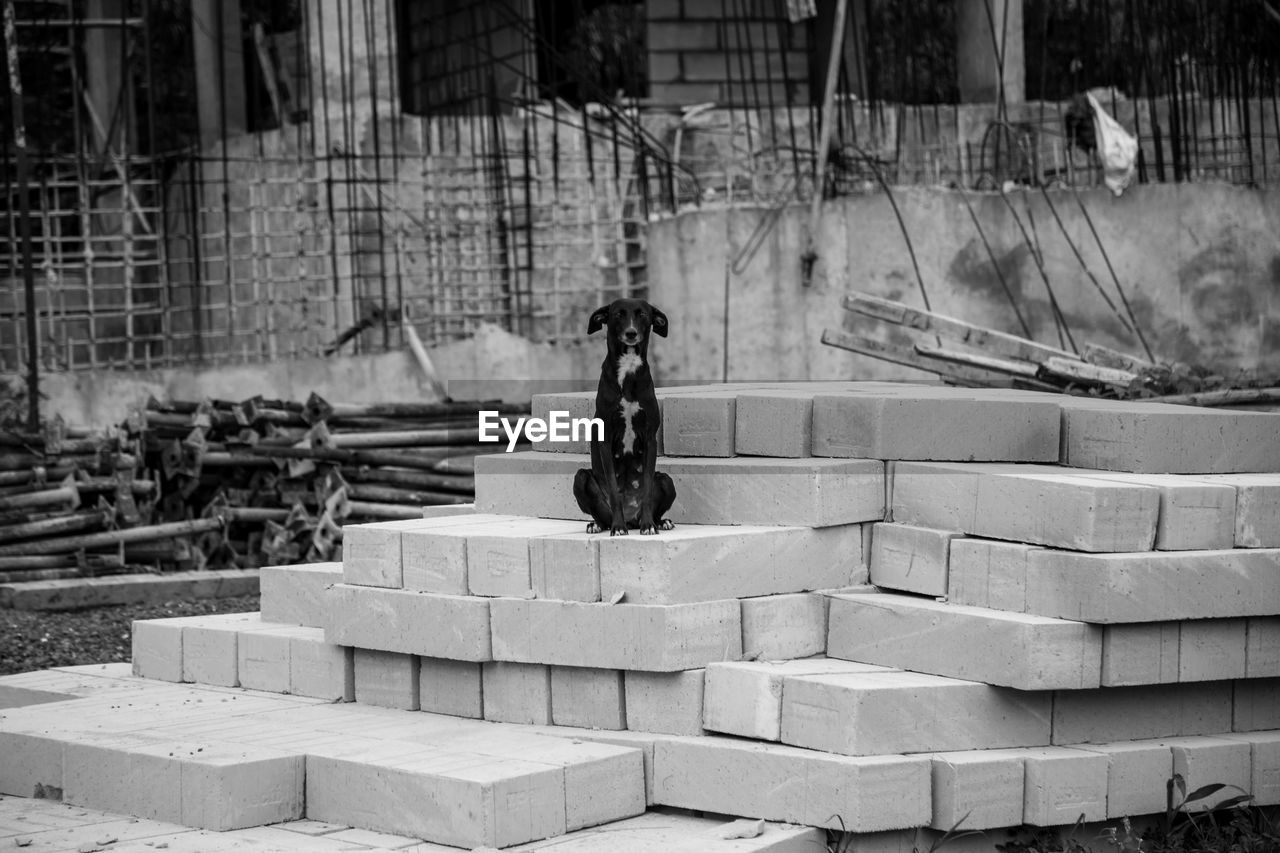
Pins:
x,y
1083,372
986,362
908,357
1107,357
998,343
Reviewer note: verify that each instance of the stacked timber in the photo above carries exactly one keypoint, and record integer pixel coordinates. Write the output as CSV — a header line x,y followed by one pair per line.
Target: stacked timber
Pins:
x,y
187,485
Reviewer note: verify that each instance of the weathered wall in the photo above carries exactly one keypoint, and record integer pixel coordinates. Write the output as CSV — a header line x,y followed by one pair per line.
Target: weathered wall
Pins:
x,y
1200,264
492,364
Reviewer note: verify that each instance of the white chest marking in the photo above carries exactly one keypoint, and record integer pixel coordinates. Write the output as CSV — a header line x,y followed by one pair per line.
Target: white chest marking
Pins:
x,y
629,410
628,363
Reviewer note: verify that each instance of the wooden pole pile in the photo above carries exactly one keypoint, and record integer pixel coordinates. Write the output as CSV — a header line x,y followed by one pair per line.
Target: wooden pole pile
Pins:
x,y
218,484
285,476
74,503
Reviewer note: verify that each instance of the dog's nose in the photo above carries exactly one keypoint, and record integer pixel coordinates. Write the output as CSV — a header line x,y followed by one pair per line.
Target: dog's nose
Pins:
x,y
631,336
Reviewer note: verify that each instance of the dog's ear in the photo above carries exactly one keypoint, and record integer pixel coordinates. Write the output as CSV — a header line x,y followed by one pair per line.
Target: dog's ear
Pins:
x,y
598,318
659,323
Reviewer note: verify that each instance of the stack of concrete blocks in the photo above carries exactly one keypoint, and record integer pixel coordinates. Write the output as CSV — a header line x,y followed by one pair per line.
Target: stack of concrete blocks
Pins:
x,y
1070,601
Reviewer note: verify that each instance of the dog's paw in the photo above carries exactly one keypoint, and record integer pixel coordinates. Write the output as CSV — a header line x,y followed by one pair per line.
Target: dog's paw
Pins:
x,y
648,530
666,524
592,527
618,531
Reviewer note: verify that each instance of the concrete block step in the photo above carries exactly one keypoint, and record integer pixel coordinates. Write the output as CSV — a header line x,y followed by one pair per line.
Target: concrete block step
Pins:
x,y
743,490
978,644
906,558
964,426
1151,587
498,555
1030,505
454,627
873,713
744,698
650,638
1257,511
1157,438
295,595
776,782
239,649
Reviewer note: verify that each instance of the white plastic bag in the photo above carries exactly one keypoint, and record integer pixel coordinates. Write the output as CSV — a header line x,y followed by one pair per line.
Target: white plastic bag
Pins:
x,y
1116,148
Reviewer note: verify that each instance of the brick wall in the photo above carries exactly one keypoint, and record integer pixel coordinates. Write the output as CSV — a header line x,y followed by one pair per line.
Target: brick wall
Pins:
x,y
739,52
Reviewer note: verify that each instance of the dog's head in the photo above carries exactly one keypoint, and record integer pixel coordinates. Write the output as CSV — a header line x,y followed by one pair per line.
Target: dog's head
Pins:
x,y
629,322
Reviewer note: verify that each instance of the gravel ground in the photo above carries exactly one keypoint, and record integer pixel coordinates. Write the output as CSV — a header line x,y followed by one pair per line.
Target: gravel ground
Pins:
x,y
41,639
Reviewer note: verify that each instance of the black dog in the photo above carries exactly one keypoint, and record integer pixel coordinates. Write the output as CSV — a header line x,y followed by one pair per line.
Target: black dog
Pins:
x,y
622,489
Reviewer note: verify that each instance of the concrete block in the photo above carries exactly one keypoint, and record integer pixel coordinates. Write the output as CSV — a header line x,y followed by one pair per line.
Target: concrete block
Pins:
x,y
516,693
450,687
773,782
1195,515
459,800
1204,761
157,648
1256,705
678,832
122,774
1257,508
209,648
441,626
905,712
1141,653
1064,786
589,698
976,789
985,573
652,638
1139,713
1262,647
693,563
295,595
1264,783
804,492
321,670
910,559
665,702
32,765
262,658
578,404
371,554
890,426
774,423
434,555
1137,772
386,679
784,627
602,782
565,567
992,646
641,742
1008,502
1160,586
1211,649
498,555
699,424
745,697
227,787
1155,438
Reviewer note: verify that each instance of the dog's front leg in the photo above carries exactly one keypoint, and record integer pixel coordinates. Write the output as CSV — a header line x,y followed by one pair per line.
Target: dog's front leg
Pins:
x,y
604,464
645,520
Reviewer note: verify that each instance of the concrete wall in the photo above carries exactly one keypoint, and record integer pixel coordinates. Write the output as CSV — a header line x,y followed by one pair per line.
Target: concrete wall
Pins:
x,y
1200,264
492,364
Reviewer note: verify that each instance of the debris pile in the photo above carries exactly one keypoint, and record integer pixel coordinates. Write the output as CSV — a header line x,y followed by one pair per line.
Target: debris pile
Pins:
x,y
185,485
